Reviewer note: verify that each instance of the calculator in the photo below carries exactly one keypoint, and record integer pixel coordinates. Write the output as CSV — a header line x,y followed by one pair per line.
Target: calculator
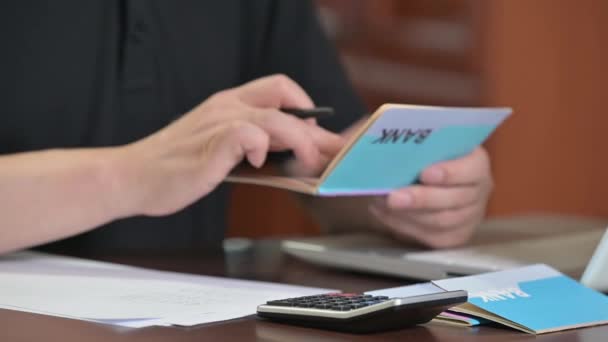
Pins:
x,y
360,313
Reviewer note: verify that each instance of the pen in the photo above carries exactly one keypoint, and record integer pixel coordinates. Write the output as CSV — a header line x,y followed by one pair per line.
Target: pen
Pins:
x,y
317,112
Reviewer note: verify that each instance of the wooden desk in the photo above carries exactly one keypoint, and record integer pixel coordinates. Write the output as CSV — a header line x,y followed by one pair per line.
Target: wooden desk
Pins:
x,y
264,262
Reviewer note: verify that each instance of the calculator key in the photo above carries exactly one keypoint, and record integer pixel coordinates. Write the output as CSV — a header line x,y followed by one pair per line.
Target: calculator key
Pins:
x,y
331,301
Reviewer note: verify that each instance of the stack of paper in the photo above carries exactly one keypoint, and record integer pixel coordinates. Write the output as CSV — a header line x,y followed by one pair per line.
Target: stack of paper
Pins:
x,y
128,296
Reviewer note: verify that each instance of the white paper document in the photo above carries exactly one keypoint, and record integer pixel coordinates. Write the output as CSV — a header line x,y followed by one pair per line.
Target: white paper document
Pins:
x,y
129,296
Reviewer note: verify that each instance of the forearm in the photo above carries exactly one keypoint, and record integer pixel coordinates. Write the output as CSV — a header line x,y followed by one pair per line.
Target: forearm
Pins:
x,y
52,194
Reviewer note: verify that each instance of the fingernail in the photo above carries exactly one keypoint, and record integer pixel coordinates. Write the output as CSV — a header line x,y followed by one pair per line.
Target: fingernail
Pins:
x,y
402,199
435,174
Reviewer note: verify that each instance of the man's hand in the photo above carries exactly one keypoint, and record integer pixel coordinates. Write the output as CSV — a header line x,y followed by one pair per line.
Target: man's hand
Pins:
x,y
442,211
74,190
445,208
189,158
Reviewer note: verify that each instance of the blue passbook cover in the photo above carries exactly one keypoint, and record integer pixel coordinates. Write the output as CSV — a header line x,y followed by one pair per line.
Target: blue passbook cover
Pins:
x,y
400,141
536,299
392,148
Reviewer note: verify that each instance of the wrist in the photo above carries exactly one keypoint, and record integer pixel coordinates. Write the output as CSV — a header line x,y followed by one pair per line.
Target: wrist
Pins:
x,y
117,177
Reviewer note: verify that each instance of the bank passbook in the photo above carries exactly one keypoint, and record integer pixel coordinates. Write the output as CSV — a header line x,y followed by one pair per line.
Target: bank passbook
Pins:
x,y
392,148
535,299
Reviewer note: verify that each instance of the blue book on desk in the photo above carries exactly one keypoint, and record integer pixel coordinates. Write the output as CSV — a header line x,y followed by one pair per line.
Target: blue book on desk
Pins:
x,y
535,299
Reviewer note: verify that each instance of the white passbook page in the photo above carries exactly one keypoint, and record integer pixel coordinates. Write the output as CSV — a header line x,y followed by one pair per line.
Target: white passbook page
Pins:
x,y
129,296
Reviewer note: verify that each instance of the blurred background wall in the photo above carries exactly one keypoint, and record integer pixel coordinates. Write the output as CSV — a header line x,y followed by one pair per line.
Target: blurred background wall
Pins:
x,y
545,58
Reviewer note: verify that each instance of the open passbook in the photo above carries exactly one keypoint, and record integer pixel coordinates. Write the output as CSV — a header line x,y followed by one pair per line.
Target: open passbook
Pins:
x,y
391,149
535,299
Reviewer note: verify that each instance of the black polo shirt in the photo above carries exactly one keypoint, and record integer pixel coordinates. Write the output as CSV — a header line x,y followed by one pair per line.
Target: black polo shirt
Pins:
x,y
77,73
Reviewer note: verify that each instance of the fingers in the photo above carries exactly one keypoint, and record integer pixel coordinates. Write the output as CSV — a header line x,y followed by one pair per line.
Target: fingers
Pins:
x,y
327,142
288,133
353,129
444,211
259,102
196,152
423,197
278,91
296,168
309,142
470,169
226,145
311,121
274,91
